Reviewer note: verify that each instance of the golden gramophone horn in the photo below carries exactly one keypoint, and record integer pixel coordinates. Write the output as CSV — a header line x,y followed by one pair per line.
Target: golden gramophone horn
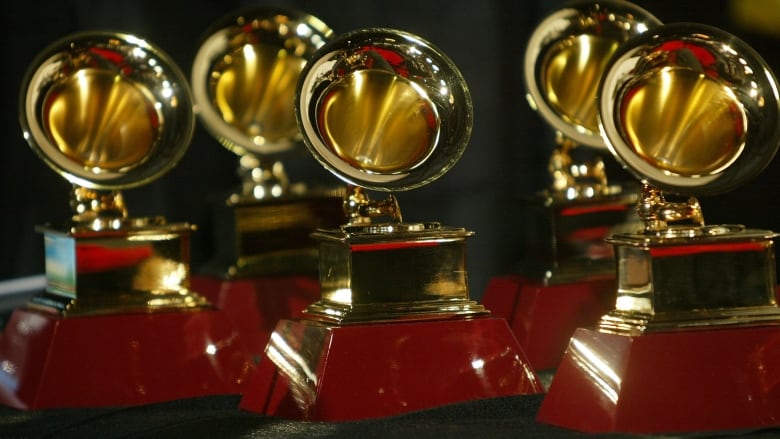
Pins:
x,y
690,109
106,110
245,74
565,58
384,110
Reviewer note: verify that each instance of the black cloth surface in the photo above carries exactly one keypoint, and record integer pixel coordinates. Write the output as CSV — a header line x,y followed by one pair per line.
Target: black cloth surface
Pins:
x,y
218,416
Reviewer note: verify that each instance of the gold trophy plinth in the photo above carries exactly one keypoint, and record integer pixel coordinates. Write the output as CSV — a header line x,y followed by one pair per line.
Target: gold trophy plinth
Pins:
x,y
691,343
244,77
394,330
387,273
566,276
118,323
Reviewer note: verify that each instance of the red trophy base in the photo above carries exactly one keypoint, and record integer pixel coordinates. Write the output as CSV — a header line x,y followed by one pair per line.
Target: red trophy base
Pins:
x,y
316,372
255,305
544,317
667,382
48,361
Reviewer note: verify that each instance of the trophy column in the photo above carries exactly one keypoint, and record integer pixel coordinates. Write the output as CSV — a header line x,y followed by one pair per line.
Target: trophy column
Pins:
x,y
243,78
693,340
394,330
118,324
566,278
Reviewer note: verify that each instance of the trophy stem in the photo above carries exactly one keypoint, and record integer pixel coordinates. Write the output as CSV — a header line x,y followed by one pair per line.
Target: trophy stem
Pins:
x,y
657,213
360,209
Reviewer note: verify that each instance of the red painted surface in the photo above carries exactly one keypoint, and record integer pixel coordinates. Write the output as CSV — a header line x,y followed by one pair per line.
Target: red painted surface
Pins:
x,y
48,361
381,246
595,208
685,250
316,372
667,382
255,305
544,317
94,258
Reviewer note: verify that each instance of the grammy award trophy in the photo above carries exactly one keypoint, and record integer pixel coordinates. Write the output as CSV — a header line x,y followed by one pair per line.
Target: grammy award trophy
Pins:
x,y
394,330
566,278
117,324
693,340
243,79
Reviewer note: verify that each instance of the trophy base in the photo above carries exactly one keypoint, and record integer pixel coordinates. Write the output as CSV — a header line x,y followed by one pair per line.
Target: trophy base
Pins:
x,y
667,382
255,305
318,372
49,361
544,317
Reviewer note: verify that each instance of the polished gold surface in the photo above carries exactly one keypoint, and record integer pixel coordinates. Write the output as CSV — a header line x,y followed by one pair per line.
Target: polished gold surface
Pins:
x,y
690,109
719,276
669,218
567,222
274,238
244,78
571,75
360,209
105,110
565,58
97,210
254,88
109,111
100,119
378,121
683,122
577,179
384,109
564,239
564,61
401,272
144,269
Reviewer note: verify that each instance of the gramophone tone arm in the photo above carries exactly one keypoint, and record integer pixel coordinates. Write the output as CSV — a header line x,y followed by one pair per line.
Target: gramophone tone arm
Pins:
x,y
360,209
657,213
567,174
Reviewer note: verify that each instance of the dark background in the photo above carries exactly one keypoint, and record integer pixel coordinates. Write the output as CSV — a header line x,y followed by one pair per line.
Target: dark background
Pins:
x,y
506,158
